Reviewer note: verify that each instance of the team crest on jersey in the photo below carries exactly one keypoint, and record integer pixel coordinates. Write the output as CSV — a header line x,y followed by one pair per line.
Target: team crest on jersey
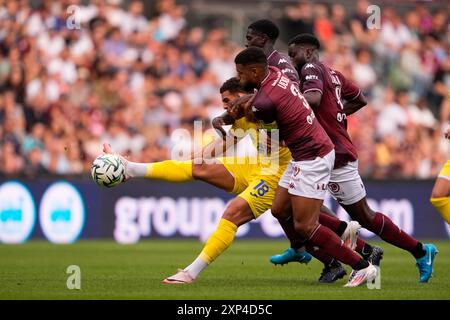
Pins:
x,y
309,65
254,109
282,60
334,187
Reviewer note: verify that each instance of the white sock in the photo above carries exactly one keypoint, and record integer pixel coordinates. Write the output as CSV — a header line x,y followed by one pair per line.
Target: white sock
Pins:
x,y
196,267
137,170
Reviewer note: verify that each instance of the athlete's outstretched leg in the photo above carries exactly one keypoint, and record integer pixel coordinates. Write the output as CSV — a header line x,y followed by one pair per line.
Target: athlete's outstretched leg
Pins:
x,y
384,227
306,222
387,230
236,214
282,210
212,172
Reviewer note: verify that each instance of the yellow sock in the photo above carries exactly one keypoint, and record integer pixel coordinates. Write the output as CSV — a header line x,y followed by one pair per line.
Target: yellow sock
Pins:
x,y
219,241
443,206
170,170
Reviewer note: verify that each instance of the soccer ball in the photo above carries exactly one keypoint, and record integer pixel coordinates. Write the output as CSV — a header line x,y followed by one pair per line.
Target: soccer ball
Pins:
x,y
108,170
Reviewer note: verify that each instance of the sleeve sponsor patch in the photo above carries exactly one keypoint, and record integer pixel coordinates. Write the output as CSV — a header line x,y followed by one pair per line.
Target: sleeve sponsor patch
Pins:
x,y
286,70
311,77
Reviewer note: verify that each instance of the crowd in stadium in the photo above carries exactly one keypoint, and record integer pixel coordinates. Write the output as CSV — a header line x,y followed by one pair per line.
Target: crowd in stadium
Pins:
x,y
116,75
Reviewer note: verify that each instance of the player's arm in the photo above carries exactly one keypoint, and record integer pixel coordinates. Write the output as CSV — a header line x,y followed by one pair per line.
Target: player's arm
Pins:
x,y
312,84
215,148
314,97
287,69
219,146
242,107
354,105
220,121
352,94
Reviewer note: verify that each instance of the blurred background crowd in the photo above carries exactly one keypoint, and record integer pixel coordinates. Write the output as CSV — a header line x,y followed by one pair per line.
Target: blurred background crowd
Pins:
x,y
130,73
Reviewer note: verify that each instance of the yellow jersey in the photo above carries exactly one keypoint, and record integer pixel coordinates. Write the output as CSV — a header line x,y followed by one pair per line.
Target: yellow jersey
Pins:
x,y
269,151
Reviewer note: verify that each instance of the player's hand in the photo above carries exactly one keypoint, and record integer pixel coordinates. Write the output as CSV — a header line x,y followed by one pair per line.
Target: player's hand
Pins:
x,y
239,106
218,123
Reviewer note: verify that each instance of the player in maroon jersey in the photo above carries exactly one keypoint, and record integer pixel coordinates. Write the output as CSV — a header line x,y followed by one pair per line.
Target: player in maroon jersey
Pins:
x,y
333,98
263,34
278,99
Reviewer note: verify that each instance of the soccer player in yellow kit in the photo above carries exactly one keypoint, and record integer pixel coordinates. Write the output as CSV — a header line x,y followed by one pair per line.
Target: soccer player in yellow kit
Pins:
x,y
253,180
441,190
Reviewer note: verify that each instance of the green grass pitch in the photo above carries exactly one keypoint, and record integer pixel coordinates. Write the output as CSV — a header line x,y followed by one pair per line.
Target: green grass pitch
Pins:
x,y
37,270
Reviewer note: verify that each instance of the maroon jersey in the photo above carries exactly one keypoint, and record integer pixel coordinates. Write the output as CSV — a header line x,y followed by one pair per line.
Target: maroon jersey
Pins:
x,y
334,88
280,100
283,62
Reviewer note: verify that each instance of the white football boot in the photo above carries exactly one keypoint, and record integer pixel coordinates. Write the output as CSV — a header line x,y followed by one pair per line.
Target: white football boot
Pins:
x,y
181,277
361,276
350,234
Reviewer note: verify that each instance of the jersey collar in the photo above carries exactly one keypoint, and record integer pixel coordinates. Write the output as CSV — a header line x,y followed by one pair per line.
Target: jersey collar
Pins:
x,y
268,57
267,76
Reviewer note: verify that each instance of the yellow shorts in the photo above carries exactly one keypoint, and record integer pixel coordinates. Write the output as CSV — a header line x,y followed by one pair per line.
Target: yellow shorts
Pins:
x,y
445,171
253,182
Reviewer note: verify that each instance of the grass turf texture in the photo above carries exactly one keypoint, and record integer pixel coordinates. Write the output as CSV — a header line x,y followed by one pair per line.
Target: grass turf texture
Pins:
x,y
37,270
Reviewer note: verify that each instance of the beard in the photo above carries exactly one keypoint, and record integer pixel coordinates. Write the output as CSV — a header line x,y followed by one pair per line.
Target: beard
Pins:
x,y
300,64
249,87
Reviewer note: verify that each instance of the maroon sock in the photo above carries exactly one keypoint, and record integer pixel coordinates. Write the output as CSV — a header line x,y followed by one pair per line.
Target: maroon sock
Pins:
x,y
360,245
332,223
297,242
391,233
318,253
288,227
331,245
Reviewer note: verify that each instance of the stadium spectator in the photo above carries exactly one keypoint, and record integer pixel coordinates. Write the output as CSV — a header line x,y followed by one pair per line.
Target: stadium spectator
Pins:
x,y
133,78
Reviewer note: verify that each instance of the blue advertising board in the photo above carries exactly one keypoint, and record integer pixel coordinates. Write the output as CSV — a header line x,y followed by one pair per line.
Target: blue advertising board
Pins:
x,y
63,211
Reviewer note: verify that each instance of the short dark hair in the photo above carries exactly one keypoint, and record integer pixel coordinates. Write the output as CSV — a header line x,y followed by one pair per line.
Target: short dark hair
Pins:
x,y
231,85
251,55
305,38
266,27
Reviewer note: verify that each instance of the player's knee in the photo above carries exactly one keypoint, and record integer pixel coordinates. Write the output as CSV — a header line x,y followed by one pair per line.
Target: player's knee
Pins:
x,y
280,211
238,213
441,188
277,212
437,194
199,170
304,229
